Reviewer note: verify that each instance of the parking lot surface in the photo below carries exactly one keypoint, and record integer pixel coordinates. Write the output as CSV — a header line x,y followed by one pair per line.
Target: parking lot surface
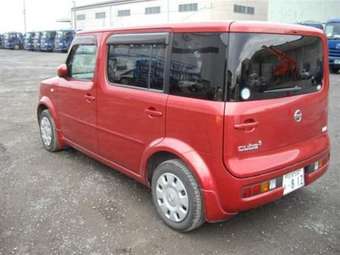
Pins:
x,y
67,203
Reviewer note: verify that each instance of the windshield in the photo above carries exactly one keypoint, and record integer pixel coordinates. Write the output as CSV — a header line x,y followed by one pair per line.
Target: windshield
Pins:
x,y
29,35
265,66
61,34
333,30
10,35
48,34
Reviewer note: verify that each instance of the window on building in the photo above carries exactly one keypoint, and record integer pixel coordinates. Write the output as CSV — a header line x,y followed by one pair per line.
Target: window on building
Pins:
x,y
82,62
100,15
122,13
153,10
244,9
81,17
250,10
188,7
197,66
137,65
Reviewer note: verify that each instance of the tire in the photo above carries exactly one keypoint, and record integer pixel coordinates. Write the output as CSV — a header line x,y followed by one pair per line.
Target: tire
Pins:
x,y
49,138
177,196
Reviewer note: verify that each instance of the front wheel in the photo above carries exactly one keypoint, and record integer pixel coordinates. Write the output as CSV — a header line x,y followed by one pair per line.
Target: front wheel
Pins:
x,y
177,196
48,132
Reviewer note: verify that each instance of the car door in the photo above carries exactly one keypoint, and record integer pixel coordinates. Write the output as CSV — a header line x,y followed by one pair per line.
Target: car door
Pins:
x,y
77,95
131,101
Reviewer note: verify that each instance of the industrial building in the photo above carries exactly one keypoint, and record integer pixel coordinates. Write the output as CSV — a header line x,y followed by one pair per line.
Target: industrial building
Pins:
x,y
292,11
123,13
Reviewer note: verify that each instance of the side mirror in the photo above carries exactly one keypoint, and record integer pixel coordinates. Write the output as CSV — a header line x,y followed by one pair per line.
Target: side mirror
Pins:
x,y
62,71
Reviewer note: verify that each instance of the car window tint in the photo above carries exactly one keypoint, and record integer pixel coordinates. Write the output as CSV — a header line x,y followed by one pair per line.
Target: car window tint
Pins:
x,y
267,66
138,65
157,66
198,65
83,62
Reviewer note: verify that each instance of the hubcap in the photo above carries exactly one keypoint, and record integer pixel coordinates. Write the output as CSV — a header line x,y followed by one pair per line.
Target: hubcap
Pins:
x,y
46,131
172,197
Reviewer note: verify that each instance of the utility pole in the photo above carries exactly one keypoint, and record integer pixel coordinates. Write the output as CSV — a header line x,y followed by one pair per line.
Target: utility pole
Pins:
x,y
24,13
168,9
74,15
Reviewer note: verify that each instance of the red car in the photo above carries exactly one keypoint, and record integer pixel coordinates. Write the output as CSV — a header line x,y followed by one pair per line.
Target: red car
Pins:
x,y
216,118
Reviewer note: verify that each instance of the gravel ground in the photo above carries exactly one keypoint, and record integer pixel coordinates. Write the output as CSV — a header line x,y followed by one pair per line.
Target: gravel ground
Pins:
x,y
67,203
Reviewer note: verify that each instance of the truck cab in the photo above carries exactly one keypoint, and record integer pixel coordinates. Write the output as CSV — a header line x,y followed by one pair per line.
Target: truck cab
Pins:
x,y
332,30
63,40
312,24
47,41
36,41
13,40
1,41
28,41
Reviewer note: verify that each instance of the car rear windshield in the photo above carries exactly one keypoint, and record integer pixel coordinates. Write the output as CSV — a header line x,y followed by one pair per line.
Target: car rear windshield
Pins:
x,y
265,66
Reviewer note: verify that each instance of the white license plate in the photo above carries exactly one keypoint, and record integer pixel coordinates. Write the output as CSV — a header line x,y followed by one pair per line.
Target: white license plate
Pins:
x,y
293,181
337,61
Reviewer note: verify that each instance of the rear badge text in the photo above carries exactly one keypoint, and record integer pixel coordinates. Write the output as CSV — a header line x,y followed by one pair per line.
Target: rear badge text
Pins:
x,y
250,147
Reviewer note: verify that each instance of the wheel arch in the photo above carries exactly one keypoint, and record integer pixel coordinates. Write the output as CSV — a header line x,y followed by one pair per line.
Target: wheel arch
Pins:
x,y
170,148
46,103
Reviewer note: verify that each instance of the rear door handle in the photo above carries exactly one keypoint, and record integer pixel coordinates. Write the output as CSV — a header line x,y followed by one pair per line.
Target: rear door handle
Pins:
x,y
89,98
246,125
152,112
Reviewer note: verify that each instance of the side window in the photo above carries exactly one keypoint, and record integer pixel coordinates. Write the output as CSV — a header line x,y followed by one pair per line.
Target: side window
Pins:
x,y
82,62
198,62
138,65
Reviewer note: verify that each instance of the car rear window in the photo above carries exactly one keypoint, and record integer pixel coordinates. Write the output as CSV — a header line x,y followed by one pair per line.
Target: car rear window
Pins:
x,y
265,66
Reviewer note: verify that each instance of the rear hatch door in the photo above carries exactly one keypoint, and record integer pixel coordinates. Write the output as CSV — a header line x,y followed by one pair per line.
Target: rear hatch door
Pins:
x,y
277,100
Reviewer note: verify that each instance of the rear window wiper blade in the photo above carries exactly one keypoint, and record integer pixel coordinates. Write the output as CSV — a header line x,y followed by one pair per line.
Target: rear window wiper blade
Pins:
x,y
291,89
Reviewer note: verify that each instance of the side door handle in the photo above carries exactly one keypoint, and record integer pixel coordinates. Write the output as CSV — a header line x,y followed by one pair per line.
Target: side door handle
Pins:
x,y
152,112
89,98
248,125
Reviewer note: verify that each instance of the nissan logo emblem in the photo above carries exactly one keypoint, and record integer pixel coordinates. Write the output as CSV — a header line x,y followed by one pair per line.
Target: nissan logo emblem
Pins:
x,y
298,115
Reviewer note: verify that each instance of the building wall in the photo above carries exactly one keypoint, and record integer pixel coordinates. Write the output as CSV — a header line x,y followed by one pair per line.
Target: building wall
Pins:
x,y
292,11
207,10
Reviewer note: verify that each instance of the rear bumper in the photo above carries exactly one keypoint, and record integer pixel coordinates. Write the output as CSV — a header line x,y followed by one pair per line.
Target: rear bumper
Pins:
x,y
227,200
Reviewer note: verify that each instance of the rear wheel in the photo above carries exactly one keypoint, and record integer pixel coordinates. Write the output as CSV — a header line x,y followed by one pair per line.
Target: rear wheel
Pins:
x,y
176,196
48,132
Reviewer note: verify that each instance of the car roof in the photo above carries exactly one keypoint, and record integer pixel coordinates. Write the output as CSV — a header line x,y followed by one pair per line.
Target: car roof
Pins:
x,y
222,26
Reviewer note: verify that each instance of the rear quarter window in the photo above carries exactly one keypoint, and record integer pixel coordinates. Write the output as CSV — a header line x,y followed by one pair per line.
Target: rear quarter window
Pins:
x,y
197,68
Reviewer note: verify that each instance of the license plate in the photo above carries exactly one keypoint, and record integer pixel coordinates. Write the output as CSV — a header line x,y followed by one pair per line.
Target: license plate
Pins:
x,y
293,181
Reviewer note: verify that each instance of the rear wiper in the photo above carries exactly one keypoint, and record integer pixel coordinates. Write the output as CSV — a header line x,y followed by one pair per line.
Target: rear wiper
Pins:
x,y
291,89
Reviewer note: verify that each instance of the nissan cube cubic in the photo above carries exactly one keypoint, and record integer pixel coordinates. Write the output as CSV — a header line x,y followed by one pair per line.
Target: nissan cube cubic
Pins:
x,y
216,118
